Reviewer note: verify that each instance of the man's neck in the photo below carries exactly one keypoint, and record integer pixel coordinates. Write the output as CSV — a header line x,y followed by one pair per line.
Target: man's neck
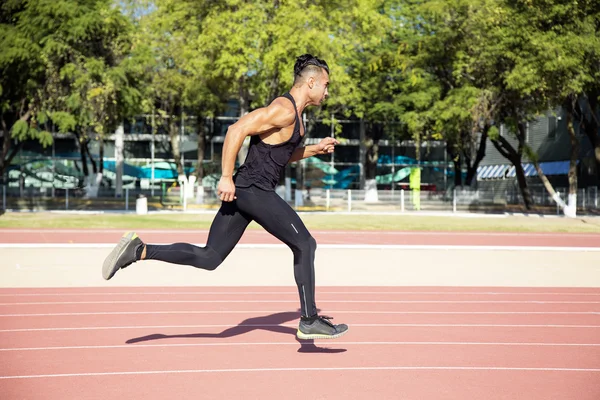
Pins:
x,y
301,98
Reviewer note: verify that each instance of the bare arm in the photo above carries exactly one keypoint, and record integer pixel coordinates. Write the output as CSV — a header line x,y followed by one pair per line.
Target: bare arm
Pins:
x,y
260,121
325,146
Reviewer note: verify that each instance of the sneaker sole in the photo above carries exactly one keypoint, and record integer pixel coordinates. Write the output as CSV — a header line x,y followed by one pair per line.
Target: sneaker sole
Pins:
x,y
109,268
306,336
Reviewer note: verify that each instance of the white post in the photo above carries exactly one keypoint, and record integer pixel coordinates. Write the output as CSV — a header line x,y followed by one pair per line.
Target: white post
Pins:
x,y
583,199
454,200
596,197
184,189
349,200
200,194
332,135
126,199
67,198
288,189
53,164
327,200
119,160
181,152
557,203
402,200
298,198
152,151
393,167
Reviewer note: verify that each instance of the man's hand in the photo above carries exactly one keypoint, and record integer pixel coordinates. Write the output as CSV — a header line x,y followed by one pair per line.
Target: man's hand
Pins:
x,y
226,189
327,145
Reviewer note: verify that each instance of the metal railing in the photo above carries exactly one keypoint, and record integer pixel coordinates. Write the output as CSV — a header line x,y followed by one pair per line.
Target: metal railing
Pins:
x,y
314,199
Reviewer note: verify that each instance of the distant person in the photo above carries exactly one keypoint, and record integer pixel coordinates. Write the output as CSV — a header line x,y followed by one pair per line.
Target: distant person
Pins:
x,y
276,132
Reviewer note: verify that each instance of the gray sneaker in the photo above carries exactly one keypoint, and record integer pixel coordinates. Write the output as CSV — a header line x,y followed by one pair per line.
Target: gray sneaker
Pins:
x,y
319,327
122,255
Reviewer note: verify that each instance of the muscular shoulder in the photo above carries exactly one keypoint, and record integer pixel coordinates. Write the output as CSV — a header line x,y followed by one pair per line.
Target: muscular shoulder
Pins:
x,y
281,112
277,115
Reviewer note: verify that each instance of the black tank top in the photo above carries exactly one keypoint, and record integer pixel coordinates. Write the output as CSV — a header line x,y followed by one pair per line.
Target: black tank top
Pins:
x,y
265,162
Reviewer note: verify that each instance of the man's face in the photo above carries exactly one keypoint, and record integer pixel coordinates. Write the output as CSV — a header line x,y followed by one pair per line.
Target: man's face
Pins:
x,y
320,90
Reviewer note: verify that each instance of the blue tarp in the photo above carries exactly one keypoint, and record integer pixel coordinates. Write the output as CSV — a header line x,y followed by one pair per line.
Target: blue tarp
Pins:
x,y
508,171
386,159
146,171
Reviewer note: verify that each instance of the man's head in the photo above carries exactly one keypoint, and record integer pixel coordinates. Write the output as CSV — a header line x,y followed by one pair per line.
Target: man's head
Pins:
x,y
313,73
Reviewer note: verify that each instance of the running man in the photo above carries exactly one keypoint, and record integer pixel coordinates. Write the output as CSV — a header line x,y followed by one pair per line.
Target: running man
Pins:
x,y
276,133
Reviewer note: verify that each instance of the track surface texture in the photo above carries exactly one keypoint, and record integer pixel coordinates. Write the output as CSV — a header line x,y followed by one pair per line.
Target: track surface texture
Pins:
x,y
482,332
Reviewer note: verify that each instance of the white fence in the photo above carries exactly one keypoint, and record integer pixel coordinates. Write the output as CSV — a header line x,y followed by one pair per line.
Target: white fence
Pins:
x,y
316,199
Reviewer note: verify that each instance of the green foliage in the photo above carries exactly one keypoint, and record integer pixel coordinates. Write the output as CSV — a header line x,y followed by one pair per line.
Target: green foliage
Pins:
x,y
426,69
62,64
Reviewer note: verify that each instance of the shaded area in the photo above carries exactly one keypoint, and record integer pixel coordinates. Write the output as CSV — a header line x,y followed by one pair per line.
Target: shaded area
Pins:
x,y
269,323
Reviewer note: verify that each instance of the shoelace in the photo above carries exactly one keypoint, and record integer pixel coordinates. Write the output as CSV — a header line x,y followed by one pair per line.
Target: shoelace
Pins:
x,y
325,319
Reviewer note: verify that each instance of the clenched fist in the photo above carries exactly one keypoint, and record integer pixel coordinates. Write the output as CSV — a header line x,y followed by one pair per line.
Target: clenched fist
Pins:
x,y
226,189
327,145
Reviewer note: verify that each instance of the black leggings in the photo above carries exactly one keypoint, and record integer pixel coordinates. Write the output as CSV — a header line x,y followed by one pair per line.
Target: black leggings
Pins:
x,y
271,212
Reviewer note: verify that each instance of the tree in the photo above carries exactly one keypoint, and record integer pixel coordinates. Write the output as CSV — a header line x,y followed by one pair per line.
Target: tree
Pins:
x,y
181,78
21,78
63,68
93,85
558,67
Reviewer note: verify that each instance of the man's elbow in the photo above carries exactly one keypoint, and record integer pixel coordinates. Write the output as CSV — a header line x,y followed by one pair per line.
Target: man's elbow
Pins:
x,y
235,132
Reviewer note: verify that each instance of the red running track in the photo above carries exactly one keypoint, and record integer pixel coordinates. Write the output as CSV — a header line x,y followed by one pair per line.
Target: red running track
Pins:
x,y
238,343
253,236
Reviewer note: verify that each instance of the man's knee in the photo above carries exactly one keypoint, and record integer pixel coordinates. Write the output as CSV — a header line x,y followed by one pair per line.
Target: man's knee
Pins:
x,y
312,243
212,265
209,259
308,245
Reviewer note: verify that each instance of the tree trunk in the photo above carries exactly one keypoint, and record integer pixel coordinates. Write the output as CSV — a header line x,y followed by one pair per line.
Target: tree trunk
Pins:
x,y
243,99
174,136
572,199
6,145
591,128
523,185
82,154
505,148
87,150
555,196
101,155
92,182
100,162
4,163
372,153
201,149
371,157
457,164
472,169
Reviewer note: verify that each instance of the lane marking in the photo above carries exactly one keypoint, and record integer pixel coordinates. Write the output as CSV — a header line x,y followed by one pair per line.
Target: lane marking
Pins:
x,y
340,233
329,311
226,344
312,369
321,246
295,301
295,293
93,328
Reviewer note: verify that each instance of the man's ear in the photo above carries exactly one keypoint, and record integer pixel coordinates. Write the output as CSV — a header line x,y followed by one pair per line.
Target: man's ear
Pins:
x,y
311,82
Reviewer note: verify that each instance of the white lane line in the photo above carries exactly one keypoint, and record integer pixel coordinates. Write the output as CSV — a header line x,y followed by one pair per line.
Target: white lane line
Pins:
x,y
329,311
295,301
340,233
312,369
321,246
94,328
295,293
227,344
